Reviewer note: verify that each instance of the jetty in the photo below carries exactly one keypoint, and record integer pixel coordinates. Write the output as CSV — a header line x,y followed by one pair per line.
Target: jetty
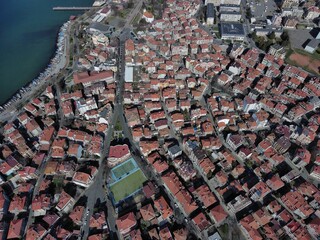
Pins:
x,y
72,8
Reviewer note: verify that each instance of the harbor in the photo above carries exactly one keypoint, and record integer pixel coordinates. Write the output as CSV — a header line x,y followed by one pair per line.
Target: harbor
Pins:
x,y
29,42
55,65
72,8
53,68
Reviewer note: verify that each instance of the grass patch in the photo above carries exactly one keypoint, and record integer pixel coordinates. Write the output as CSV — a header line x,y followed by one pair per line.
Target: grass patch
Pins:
x,y
314,55
136,20
124,13
224,231
128,185
118,126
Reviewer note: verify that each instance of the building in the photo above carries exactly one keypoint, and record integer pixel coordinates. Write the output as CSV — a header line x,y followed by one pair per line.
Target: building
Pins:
x,y
218,214
312,13
311,46
223,2
210,14
65,202
232,31
15,228
89,78
174,151
318,35
234,141
239,203
315,172
277,51
201,222
148,16
229,8
126,223
215,236
250,105
82,179
118,154
128,74
77,214
105,12
227,16
263,32
291,22
101,28
282,144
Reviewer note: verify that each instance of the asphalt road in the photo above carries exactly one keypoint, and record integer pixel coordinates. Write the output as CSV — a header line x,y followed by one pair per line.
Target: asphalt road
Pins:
x,y
174,135
97,189
119,114
133,13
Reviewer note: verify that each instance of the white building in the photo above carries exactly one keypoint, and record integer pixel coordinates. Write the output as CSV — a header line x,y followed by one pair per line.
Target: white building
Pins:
x,y
82,179
210,14
312,46
148,16
128,75
230,16
219,2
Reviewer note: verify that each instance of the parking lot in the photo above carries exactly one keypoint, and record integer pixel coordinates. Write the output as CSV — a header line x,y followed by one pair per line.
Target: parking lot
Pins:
x,y
261,9
298,37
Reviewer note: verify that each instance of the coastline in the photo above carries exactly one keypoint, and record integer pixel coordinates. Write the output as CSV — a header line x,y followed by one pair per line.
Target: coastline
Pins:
x,y
54,65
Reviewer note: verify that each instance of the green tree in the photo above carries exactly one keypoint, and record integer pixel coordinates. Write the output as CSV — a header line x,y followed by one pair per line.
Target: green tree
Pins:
x,y
130,4
285,39
248,13
272,36
284,36
143,21
186,115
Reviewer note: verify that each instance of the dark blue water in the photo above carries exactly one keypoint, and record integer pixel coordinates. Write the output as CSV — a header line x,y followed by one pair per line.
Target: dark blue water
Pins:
x,y
28,31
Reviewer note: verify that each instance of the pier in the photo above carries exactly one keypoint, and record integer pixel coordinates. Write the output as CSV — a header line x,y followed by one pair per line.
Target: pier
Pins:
x,y
72,8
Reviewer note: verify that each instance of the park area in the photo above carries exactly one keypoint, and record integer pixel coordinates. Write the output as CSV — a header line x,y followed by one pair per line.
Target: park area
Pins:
x,y
300,58
127,185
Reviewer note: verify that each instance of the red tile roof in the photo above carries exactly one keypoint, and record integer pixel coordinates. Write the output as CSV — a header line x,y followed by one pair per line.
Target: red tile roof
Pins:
x,y
118,151
218,214
147,212
201,221
126,222
15,229
84,77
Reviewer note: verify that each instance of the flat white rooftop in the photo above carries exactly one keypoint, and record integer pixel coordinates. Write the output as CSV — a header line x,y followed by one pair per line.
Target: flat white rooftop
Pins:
x,y
128,74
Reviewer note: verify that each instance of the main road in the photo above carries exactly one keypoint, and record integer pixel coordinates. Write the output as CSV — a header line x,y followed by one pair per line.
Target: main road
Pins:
x,y
119,114
98,188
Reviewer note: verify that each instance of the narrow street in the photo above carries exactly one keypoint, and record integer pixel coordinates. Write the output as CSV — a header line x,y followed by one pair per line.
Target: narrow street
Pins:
x,y
174,135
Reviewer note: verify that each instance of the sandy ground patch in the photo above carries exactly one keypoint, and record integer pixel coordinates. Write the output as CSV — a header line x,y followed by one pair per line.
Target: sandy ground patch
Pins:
x,y
305,61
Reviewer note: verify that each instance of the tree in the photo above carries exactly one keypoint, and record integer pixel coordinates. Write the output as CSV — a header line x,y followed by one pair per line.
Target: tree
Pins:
x,y
285,36
130,4
272,36
248,13
143,21
186,115
285,39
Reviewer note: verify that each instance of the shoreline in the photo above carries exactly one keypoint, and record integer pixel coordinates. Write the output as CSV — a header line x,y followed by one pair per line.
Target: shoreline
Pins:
x,y
53,67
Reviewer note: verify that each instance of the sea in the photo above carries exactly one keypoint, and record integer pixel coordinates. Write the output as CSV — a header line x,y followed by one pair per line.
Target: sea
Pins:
x,y
28,34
